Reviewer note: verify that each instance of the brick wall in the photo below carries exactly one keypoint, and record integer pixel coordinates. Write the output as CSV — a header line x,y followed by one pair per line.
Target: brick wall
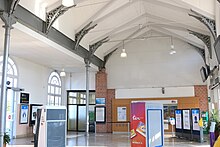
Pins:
x,y
202,93
103,92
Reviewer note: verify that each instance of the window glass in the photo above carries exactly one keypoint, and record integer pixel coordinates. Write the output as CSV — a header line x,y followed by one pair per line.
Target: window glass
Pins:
x,y
54,89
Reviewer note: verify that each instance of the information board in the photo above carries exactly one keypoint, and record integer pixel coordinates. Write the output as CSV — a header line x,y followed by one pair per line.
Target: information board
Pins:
x,y
178,115
24,98
24,114
121,114
195,119
100,114
186,119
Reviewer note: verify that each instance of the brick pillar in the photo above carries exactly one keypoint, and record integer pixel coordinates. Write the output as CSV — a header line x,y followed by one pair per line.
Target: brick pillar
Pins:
x,y
102,92
202,93
110,97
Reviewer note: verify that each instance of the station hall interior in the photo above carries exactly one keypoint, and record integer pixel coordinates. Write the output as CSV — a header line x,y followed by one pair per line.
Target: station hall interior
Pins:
x,y
96,58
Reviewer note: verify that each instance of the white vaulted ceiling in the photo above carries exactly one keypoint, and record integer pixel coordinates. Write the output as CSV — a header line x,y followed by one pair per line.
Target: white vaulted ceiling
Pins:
x,y
117,19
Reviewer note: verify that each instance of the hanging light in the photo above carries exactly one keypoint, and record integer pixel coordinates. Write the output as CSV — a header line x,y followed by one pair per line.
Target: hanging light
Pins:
x,y
68,3
63,73
172,51
123,53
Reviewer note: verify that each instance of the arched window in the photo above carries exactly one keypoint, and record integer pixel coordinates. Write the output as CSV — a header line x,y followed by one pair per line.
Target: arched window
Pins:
x,y
54,89
12,72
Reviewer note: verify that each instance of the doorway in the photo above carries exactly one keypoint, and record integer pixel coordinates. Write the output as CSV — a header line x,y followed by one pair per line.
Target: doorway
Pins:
x,y
76,111
11,116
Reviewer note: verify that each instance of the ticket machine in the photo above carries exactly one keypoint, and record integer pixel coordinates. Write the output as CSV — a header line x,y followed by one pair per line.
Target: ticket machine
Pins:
x,y
50,127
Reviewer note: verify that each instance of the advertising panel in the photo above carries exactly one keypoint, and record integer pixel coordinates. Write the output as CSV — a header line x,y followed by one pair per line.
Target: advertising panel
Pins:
x,y
138,124
195,119
24,114
178,119
186,119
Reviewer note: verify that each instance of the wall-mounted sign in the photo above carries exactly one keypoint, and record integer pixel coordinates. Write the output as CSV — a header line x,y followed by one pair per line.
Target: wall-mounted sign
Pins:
x,y
121,113
24,114
100,113
100,101
24,98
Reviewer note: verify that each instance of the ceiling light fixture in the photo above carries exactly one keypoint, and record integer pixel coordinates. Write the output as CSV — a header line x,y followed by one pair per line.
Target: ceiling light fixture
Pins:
x,y
123,53
63,73
68,3
172,51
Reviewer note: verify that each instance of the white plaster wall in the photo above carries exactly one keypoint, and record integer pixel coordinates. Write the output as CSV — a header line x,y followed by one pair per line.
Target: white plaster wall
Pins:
x,y
155,92
77,81
149,64
33,78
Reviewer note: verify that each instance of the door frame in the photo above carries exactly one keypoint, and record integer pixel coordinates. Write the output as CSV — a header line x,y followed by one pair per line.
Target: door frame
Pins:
x,y
77,105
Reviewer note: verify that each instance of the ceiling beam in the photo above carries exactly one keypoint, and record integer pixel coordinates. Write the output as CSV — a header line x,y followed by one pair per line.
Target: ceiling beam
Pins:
x,y
133,20
121,43
189,6
33,22
162,30
94,16
181,27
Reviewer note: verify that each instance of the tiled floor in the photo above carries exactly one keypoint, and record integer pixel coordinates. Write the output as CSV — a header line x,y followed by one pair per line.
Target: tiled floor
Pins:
x,y
108,140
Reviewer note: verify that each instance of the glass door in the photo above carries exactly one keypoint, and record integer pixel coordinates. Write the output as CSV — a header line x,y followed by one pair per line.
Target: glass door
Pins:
x,y
76,109
81,118
72,117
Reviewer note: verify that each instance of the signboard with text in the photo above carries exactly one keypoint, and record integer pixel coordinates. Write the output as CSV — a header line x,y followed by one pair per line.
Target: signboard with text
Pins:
x,y
24,98
138,124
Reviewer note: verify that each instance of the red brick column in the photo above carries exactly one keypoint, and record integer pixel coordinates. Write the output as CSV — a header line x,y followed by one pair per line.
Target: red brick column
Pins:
x,y
103,92
110,96
202,93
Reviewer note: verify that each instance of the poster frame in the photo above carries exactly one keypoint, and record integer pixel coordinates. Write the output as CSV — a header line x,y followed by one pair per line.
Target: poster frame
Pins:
x,y
21,111
103,113
32,121
177,129
195,131
118,112
100,101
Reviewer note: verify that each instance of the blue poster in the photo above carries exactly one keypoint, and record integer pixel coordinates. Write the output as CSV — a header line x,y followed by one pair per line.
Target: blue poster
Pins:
x,y
24,114
100,101
178,119
195,119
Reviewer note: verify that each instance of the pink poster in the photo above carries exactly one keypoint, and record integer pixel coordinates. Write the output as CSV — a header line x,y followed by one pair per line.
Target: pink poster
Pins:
x,y
138,126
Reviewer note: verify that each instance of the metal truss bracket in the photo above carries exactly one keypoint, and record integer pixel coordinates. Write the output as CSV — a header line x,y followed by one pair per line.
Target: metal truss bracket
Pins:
x,y
205,38
82,33
52,16
209,23
106,58
94,47
14,4
201,51
7,19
